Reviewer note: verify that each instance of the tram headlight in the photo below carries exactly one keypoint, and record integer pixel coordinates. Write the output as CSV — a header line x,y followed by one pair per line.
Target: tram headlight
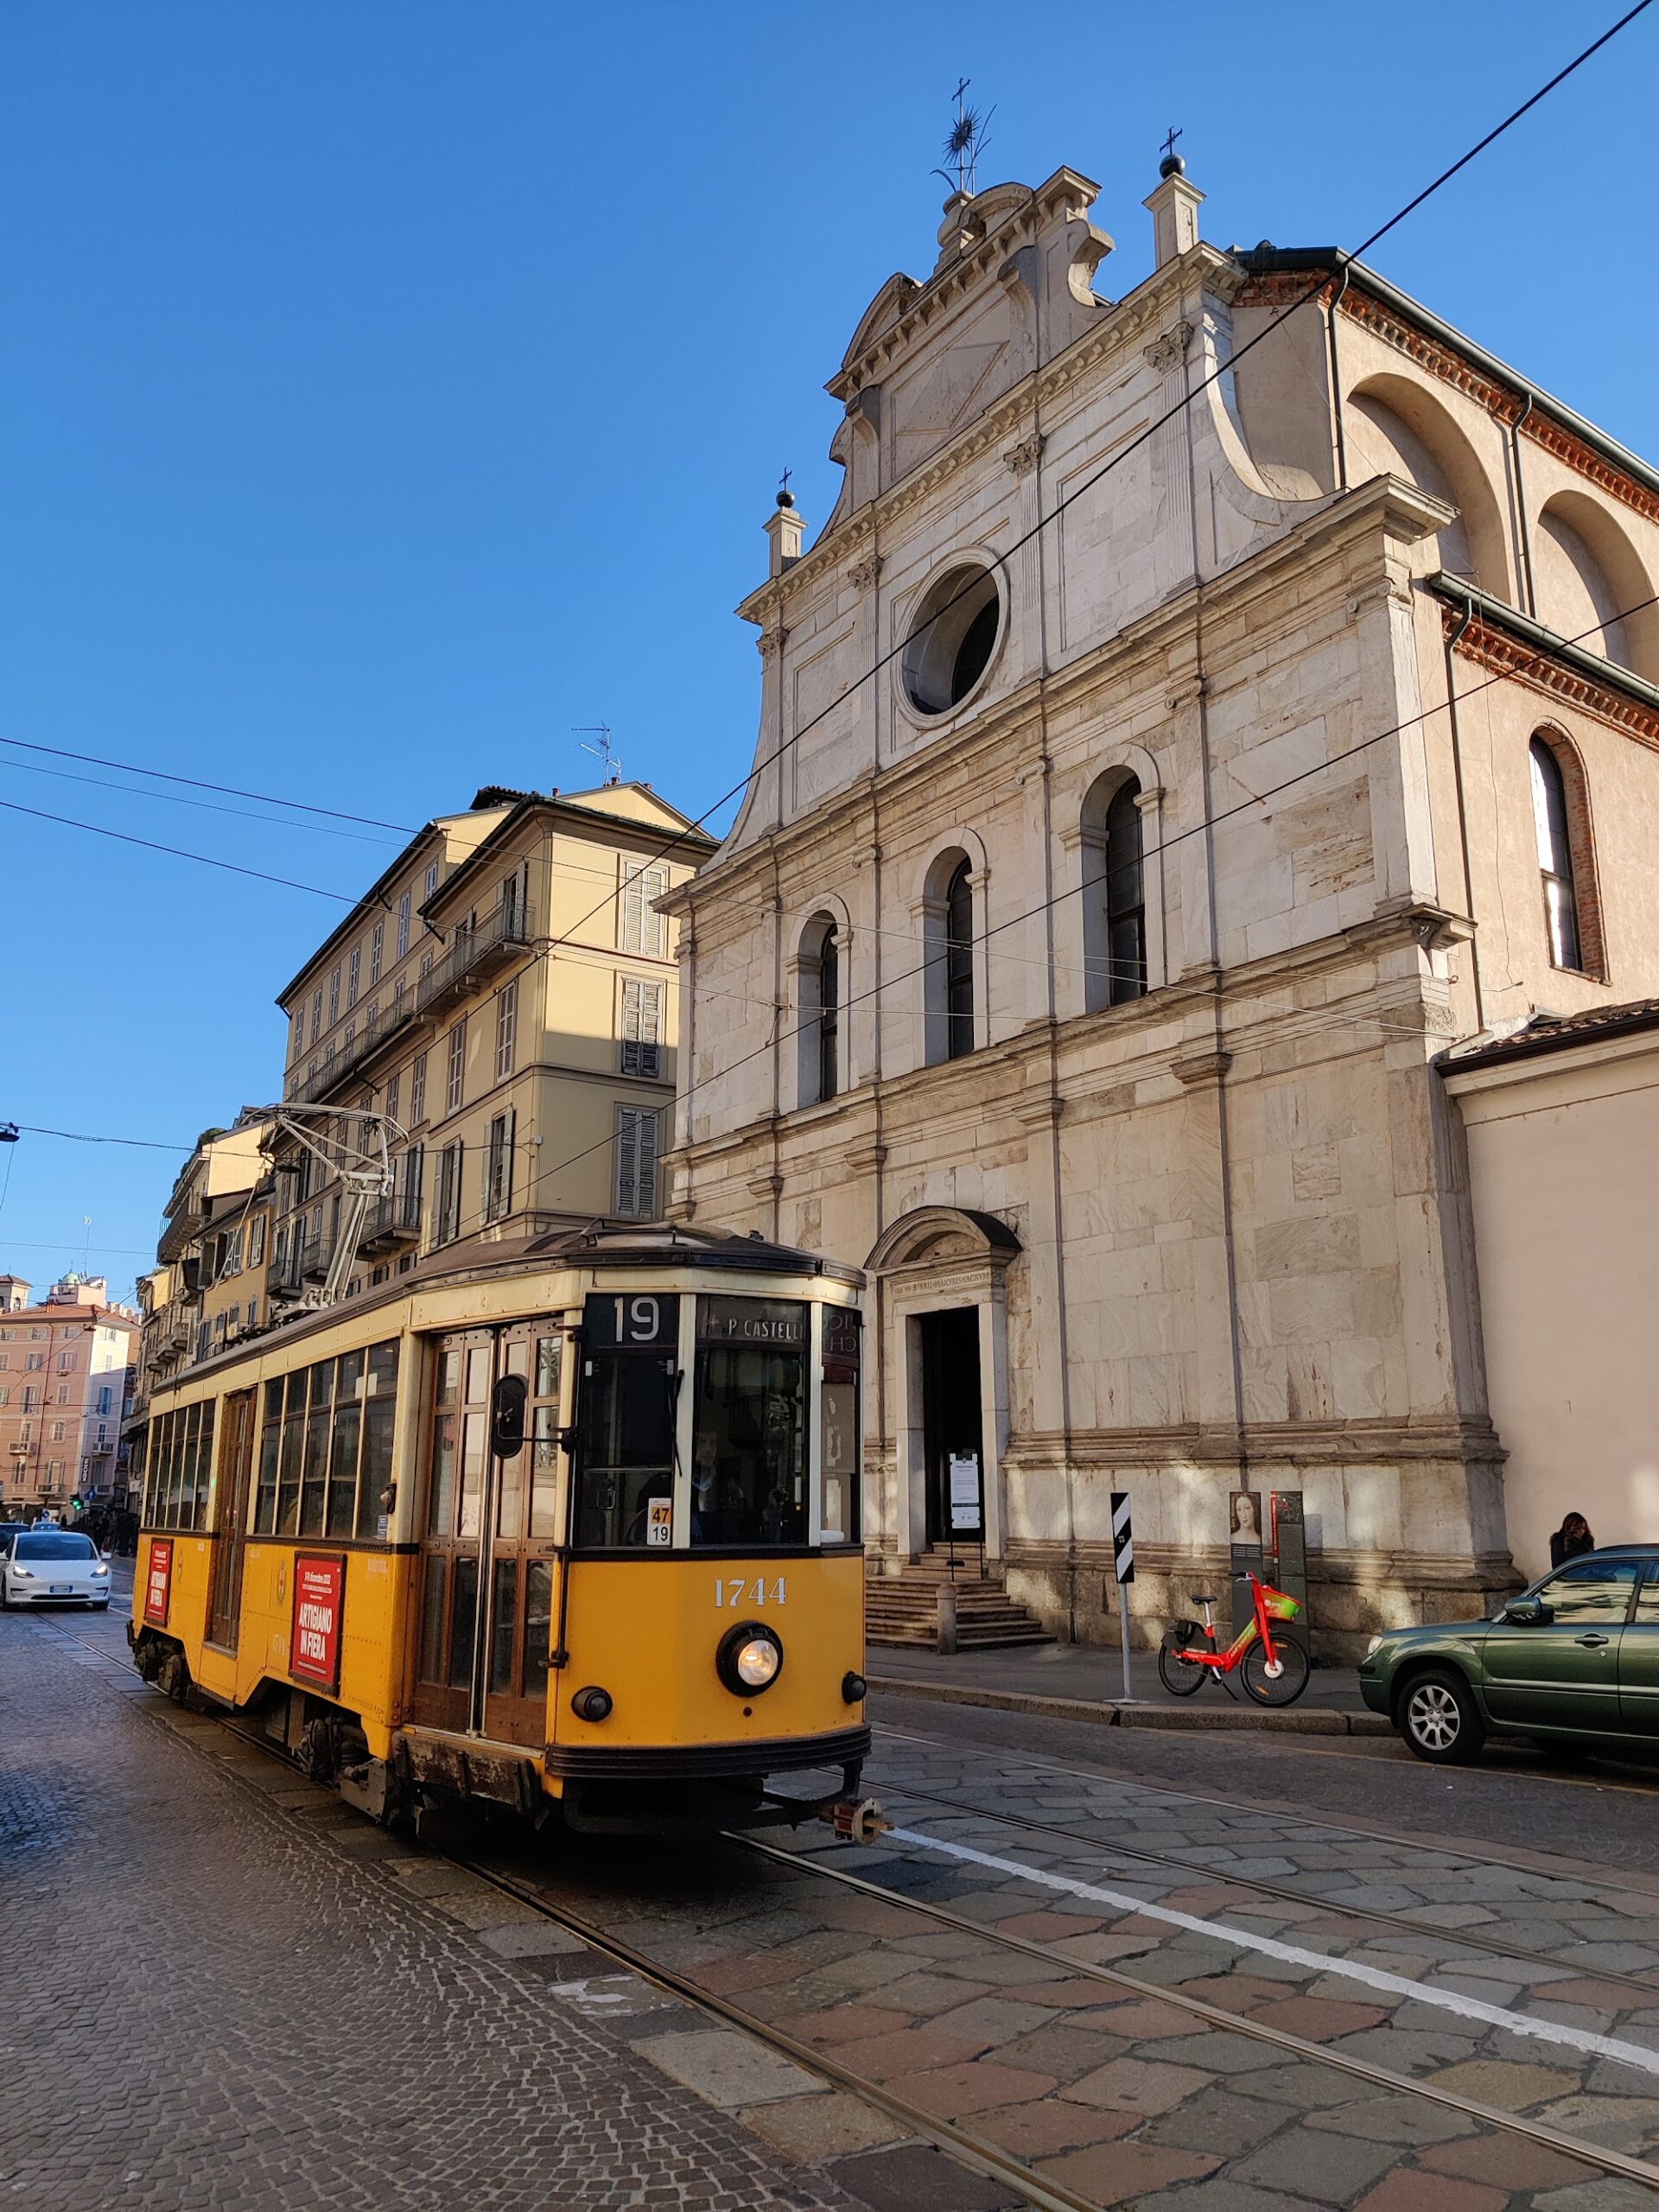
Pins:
x,y
592,1704
750,1658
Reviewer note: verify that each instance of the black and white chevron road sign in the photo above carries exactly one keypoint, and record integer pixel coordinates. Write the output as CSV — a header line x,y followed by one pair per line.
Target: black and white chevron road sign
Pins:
x,y
1122,1537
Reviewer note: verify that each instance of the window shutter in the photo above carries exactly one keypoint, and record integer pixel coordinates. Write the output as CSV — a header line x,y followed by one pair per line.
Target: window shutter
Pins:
x,y
656,886
645,1181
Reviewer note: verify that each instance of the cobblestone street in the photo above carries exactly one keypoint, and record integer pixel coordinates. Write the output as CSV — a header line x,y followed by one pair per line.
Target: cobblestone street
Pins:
x,y
223,1995
1214,1976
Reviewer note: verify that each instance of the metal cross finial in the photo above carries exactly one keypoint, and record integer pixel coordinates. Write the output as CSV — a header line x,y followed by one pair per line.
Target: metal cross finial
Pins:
x,y
965,142
783,482
1168,147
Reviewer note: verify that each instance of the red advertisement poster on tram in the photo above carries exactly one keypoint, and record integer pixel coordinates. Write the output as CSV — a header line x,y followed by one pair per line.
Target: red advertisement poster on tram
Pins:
x,y
158,1580
319,1600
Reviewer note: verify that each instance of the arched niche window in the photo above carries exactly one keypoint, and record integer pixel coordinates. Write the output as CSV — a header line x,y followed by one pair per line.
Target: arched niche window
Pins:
x,y
1114,894
948,971
822,1075
1553,825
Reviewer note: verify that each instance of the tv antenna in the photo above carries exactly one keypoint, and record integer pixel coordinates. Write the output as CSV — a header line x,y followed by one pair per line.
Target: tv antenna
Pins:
x,y
602,750
965,142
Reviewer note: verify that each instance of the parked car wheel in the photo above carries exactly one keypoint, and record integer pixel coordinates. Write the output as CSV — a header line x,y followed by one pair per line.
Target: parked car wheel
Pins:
x,y
1438,1719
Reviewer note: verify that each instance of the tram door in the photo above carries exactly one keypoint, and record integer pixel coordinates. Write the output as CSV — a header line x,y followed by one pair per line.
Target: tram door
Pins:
x,y
231,1517
489,1546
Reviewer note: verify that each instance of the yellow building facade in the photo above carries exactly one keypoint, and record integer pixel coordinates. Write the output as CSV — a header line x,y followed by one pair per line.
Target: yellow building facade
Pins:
x,y
504,1002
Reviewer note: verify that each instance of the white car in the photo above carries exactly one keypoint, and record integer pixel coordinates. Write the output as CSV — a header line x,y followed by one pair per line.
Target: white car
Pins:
x,y
54,1567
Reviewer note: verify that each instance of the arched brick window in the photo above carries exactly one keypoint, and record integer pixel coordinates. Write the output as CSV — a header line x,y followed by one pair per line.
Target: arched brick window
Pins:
x,y
1560,816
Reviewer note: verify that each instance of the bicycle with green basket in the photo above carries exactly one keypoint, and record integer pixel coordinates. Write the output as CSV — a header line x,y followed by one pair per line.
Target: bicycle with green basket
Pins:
x,y
1273,1668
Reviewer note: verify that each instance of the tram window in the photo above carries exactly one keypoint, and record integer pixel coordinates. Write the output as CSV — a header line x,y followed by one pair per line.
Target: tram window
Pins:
x,y
504,1624
442,1497
474,1443
314,1473
838,1429
181,1457
288,1489
538,1626
748,1458
627,1453
374,1497
549,1355
544,1471
432,1620
342,1467
449,1378
464,1622
264,1506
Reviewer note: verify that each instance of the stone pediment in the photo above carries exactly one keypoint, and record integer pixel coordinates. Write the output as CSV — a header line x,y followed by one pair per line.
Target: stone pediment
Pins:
x,y
938,400
1012,287
941,1235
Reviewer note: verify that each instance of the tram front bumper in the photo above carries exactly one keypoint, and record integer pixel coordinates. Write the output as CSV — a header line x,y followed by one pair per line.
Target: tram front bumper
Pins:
x,y
684,1790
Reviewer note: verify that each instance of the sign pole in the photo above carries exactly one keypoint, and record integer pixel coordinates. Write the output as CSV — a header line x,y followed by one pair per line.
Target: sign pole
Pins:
x,y
1123,1568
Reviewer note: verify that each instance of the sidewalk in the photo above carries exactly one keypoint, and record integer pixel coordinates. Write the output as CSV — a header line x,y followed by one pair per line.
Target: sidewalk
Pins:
x,y
1080,1681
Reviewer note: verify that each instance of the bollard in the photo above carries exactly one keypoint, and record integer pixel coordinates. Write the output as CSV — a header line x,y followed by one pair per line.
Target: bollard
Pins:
x,y
947,1617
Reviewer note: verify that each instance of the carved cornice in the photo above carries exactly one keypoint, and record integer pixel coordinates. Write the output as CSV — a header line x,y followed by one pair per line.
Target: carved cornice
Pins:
x,y
1168,352
1483,643
770,643
1020,459
864,573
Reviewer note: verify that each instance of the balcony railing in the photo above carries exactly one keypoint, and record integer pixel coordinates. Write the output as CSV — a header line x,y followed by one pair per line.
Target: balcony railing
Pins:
x,y
374,1034
392,1221
474,953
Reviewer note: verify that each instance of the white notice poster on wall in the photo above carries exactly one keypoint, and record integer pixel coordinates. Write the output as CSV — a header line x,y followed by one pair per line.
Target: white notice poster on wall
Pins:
x,y
964,1493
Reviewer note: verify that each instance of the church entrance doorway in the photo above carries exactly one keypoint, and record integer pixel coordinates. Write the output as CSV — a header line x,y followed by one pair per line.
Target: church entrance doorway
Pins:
x,y
953,1441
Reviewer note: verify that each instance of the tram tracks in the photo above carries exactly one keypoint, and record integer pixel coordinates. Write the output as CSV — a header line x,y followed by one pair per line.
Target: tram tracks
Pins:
x,y
1605,2160
1478,1944
972,2151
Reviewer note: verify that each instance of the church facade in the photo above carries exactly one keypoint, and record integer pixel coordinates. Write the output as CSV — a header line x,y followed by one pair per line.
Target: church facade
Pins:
x,y
1200,710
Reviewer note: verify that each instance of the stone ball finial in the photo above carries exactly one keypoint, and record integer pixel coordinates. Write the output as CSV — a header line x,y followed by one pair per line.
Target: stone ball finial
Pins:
x,y
785,498
1172,165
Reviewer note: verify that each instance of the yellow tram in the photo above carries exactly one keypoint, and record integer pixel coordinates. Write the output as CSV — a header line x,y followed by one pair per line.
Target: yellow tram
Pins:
x,y
573,1524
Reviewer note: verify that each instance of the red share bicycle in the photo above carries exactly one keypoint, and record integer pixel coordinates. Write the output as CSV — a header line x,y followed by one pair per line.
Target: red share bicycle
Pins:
x,y
1273,1670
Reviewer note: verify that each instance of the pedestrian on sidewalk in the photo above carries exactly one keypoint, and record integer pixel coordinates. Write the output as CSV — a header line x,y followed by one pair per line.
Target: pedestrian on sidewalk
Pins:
x,y
1573,1537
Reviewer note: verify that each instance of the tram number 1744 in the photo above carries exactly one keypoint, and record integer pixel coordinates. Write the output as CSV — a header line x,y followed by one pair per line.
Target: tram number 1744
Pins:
x,y
731,1591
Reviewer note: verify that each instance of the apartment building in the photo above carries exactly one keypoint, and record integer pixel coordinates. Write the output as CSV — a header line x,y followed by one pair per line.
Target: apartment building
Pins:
x,y
505,997
66,1374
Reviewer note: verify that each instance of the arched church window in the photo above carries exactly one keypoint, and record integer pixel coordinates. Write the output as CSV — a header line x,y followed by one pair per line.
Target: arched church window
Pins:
x,y
1553,827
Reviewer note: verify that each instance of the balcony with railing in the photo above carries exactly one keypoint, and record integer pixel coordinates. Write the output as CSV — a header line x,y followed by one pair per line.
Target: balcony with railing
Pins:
x,y
476,952
393,1222
374,1034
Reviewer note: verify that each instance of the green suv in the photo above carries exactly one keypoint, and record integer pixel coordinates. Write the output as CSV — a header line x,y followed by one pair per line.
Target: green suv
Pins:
x,y
1572,1663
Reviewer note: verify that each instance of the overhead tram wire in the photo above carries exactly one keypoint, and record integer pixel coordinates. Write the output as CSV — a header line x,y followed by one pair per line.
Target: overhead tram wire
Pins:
x,y
1215,376
775,1042
1060,507
202,784
178,852
174,799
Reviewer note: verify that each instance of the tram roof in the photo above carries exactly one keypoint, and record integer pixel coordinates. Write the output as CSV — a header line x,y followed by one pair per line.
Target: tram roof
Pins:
x,y
671,1244
600,1245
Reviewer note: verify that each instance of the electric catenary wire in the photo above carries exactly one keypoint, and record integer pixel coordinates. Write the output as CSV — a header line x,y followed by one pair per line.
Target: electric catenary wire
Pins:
x,y
775,1042
1214,376
1087,483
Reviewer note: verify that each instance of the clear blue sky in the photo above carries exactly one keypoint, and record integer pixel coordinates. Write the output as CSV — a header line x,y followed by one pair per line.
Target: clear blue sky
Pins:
x,y
390,385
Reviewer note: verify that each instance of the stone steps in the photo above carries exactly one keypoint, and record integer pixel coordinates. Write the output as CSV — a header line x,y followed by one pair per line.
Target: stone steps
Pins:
x,y
904,1609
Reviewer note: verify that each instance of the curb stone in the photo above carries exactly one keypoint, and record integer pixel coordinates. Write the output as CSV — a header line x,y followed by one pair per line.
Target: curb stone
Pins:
x,y
1317,1722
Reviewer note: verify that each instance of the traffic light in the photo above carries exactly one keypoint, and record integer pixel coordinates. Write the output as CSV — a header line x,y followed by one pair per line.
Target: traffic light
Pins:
x,y
75,1503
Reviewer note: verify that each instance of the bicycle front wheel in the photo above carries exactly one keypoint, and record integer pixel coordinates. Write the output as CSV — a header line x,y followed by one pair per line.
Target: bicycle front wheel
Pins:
x,y
1283,1687
1179,1676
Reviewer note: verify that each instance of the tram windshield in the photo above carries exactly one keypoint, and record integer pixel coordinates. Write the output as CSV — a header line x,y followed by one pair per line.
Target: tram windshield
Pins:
x,y
731,1468
748,1458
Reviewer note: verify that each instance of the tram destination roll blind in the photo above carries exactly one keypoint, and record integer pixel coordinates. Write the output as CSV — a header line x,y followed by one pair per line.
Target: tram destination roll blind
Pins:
x,y
751,1321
